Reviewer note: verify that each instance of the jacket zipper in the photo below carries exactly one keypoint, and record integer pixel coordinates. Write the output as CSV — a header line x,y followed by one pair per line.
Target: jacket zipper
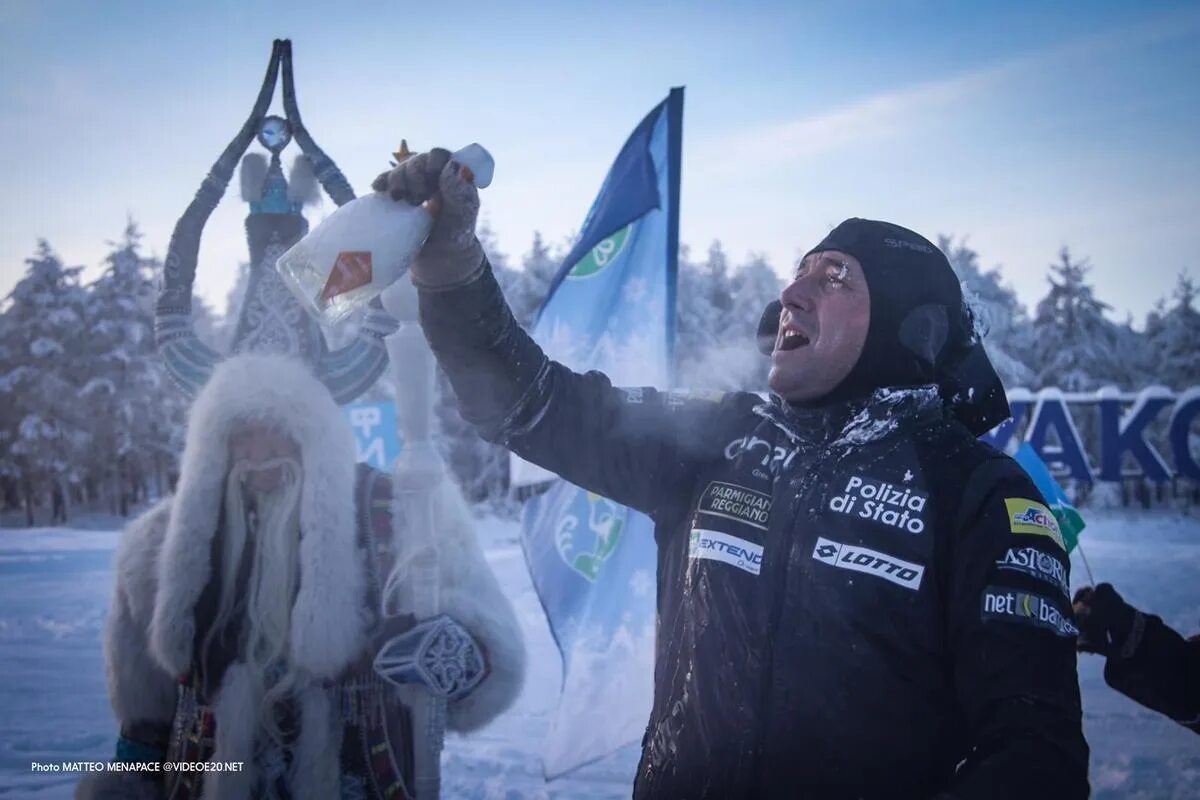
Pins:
x,y
778,589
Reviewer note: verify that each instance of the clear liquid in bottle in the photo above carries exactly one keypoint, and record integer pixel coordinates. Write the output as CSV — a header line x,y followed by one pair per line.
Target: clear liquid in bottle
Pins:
x,y
363,247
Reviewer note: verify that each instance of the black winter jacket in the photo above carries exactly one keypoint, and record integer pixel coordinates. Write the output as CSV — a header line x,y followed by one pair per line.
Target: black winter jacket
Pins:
x,y
858,601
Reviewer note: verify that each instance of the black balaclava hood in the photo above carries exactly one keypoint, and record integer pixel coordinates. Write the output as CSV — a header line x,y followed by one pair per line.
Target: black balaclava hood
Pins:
x,y
920,330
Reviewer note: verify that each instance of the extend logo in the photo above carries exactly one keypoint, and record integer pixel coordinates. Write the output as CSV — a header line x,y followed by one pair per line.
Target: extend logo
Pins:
x,y
602,255
1030,516
882,502
1026,609
717,546
871,562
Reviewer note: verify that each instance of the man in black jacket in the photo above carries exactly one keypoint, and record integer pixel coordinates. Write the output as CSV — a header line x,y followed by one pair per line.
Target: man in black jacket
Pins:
x,y
1147,661
856,598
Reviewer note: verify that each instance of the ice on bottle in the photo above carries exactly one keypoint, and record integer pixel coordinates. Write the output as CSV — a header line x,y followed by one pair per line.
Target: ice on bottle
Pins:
x,y
364,247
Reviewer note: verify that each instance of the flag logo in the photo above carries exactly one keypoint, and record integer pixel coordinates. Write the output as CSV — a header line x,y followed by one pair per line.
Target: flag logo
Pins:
x,y
588,534
600,256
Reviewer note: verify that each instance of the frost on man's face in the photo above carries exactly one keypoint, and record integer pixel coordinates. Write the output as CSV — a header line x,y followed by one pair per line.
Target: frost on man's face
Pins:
x,y
822,327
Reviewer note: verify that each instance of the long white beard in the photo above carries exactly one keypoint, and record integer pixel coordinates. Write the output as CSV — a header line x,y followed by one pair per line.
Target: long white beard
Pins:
x,y
266,604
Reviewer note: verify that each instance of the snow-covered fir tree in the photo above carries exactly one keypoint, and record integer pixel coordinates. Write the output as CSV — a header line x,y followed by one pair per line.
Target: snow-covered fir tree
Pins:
x,y
529,287
719,286
755,285
1075,346
1174,337
718,314
999,315
697,318
136,413
693,312
43,434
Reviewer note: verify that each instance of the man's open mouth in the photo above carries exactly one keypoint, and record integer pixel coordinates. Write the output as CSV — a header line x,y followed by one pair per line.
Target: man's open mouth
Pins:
x,y
792,340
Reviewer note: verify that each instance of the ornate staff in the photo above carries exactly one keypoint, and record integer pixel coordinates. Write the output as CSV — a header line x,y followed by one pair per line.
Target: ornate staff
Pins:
x,y
270,319
437,660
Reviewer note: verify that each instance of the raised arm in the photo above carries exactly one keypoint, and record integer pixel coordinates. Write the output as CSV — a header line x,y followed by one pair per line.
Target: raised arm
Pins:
x,y
631,445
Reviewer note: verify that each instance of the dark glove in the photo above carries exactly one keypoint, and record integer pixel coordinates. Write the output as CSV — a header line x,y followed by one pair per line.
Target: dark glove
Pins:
x,y
451,255
1107,624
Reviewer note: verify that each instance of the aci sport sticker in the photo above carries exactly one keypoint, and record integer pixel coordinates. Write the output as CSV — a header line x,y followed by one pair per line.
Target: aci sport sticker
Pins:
x,y
870,562
1027,609
1030,516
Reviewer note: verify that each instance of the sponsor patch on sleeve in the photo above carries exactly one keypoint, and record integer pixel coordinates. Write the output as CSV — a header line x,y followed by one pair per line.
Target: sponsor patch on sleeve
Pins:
x,y
1032,517
717,546
1011,605
634,395
680,397
736,503
1037,564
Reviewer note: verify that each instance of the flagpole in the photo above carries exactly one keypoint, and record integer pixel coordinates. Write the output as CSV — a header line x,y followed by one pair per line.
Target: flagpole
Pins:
x,y
1086,566
674,174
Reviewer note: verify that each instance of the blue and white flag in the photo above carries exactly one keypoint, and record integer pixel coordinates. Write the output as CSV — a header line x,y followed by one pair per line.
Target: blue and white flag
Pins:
x,y
1070,521
611,308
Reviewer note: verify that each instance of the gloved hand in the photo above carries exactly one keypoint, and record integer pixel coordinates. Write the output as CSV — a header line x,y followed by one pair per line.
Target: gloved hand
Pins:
x,y
451,255
1107,624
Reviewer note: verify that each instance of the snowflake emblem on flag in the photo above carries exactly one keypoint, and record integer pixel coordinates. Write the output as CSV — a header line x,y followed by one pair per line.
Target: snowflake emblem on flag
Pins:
x,y
635,290
641,583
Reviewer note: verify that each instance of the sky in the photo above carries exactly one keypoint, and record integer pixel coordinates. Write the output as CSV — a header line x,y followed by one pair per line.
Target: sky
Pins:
x,y
1022,126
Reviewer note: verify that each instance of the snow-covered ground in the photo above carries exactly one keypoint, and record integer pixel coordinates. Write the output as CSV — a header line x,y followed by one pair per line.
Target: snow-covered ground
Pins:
x,y
54,594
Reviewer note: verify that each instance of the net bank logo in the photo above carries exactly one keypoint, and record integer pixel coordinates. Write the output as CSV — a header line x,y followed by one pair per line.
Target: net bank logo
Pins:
x,y
1027,609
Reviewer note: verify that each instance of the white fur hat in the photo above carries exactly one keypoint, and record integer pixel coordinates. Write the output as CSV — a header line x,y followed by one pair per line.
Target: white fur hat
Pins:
x,y
330,617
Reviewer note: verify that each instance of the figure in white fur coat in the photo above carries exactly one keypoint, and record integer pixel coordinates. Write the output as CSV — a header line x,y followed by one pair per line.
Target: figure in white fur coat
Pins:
x,y
249,608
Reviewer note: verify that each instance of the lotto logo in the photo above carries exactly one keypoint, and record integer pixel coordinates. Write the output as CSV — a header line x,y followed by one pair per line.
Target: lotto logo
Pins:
x,y
871,562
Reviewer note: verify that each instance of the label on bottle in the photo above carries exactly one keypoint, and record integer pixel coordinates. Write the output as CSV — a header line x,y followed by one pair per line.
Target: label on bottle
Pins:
x,y
351,270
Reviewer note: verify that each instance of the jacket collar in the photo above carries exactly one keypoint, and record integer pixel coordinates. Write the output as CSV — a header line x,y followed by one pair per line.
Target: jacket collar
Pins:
x,y
854,422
